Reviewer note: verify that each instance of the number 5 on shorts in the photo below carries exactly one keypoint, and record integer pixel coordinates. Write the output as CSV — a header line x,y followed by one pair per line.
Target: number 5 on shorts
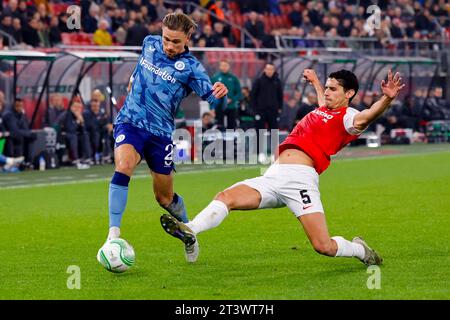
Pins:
x,y
305,197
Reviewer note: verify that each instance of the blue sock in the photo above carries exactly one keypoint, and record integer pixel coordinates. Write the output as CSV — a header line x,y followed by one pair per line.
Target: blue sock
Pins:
x,y
2,160
177,209
118,194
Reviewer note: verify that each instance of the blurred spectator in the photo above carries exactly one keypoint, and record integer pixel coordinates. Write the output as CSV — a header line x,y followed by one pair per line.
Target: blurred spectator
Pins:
x,y
98,128
367,101
3,132
233,85
435,107
25,10
207,121
43,13
136,34
215,7
55,108
223,32
212,39
406,115
17,33
7,163
160,8
102,37
246,114
288,113
12,9
16,122
295,16
267,98
256,29
6,26
54,32
118,19
30,33
43,33
72,125
90,21
306,107
315,12
98,95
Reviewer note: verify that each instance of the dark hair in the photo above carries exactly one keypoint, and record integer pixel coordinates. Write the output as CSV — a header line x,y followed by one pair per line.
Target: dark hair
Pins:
x,y
179,22
346,79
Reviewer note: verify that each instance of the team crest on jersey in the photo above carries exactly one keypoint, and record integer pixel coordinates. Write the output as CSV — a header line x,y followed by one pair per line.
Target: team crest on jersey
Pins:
x,y
120,138
179,65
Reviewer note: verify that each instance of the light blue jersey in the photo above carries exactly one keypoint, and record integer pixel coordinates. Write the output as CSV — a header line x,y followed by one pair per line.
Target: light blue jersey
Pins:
x,y
159,84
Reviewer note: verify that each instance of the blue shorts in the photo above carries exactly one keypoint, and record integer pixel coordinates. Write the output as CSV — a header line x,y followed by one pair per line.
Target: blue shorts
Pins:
x,y
156,150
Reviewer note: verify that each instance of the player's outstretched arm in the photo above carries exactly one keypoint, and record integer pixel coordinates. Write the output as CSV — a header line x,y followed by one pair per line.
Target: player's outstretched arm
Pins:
x,y
311,76
390,90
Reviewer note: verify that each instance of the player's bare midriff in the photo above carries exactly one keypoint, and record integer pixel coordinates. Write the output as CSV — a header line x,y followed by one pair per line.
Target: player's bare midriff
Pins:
x,y
295,156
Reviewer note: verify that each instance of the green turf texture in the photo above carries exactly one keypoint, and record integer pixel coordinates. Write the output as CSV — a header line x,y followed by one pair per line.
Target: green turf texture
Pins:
x,y
401,205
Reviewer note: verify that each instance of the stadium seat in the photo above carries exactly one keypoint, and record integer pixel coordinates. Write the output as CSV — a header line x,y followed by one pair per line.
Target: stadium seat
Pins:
x,y
66,38
58,8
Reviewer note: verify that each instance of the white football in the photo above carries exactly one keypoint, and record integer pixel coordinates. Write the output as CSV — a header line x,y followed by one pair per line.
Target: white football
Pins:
x,y
116,255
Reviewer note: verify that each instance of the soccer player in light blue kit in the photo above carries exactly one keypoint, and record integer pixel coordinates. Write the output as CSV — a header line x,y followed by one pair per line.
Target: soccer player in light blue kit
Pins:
x,y
165,74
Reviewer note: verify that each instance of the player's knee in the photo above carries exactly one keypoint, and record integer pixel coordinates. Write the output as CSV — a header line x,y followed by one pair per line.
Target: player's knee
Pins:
x,y
225,197
323,247
125,166
164,200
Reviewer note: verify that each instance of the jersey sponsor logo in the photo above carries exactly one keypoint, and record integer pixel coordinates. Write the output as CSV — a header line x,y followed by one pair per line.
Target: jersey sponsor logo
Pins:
x,y
120,138
156,70
179,65
325,115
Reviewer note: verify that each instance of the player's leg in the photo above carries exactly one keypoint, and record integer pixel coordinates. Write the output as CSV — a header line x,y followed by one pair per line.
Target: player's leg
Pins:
x,y
159,156
126,159
238,197
315,227
298,189
167,198
127,155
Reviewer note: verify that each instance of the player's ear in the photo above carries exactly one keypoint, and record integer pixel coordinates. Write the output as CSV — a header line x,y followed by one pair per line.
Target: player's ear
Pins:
x,y
349,93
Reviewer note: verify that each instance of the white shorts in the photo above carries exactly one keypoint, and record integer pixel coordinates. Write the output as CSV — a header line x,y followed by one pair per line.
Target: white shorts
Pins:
x,y
293,185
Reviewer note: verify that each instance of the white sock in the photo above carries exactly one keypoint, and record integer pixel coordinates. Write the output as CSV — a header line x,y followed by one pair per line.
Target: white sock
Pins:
x,y
210,217
348,249
114,233
9,161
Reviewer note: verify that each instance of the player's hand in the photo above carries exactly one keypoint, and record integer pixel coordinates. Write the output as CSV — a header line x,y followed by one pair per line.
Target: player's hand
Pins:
x,y
219,90
392,86
310,75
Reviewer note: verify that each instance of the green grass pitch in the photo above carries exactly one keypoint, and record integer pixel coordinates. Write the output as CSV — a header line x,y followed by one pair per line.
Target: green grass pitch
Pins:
x,y
400,204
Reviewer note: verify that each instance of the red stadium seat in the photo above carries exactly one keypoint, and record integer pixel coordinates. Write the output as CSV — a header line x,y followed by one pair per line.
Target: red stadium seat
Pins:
x,y
66,38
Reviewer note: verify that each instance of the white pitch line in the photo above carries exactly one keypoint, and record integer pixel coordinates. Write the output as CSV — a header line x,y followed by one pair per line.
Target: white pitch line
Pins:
x,y
137,176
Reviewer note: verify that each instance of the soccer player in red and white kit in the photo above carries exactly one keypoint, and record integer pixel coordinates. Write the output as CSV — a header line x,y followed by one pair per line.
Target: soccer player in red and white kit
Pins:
x,y
293,179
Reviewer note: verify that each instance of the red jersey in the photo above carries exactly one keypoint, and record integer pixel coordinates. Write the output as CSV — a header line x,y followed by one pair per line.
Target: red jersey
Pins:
x,y
322,133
